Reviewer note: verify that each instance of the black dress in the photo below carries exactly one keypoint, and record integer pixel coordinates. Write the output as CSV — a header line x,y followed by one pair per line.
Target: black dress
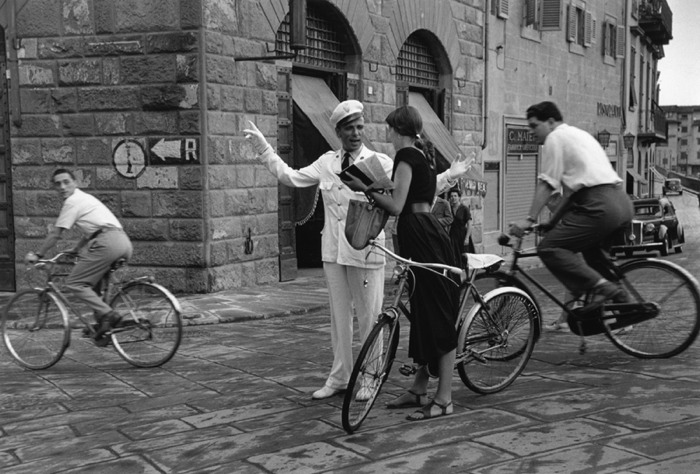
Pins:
x,y
434,299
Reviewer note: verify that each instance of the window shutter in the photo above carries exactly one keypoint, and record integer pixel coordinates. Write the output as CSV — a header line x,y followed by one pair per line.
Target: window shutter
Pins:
x,y
550,15
503,8
588,29
606,40
530,12
401,95
594,25
571,24
620,53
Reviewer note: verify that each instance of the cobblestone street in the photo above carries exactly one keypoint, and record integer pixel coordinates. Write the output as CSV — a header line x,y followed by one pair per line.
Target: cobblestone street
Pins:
x,y
236,398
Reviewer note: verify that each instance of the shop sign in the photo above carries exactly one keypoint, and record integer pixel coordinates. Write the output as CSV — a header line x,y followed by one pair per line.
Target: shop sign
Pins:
x,y
519,140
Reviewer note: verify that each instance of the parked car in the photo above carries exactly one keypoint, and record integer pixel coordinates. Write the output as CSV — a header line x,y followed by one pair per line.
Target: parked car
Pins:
x,y
655,226
672,186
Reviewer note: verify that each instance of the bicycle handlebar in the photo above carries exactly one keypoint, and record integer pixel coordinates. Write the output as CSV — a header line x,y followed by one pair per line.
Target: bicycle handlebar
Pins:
x,y
431,266
42,262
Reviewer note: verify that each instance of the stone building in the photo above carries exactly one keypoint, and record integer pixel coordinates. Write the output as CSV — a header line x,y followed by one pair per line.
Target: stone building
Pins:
x,y
597,61
681,153
146,100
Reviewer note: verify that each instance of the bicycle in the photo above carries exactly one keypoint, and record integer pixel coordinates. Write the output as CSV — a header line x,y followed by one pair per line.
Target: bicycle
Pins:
x,y
660,319
36,328
495,336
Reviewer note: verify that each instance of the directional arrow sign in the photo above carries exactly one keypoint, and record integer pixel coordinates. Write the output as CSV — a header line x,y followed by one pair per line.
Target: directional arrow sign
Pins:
x,y
180,151
167,149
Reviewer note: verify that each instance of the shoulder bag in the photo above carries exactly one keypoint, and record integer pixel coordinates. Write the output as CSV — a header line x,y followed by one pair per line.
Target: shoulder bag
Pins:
x,y
364,222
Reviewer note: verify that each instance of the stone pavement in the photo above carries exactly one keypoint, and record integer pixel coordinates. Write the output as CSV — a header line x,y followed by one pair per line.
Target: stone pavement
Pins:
x,y
236,399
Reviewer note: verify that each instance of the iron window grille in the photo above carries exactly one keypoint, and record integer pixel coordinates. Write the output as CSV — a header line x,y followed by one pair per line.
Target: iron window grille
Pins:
x,y
416,65
324,44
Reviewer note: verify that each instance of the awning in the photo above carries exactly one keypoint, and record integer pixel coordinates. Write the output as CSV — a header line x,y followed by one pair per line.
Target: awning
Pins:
x,y
436,132
317,101
637,177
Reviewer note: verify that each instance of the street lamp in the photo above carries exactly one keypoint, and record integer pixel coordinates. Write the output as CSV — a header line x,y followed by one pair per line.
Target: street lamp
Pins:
x,y
604,138
628,140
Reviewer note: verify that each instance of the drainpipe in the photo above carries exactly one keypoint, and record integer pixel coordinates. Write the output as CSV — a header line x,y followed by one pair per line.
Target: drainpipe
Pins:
x,y
485,85
15,109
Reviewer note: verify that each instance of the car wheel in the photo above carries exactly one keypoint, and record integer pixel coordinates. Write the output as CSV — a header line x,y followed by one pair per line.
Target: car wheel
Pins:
x,y
664,247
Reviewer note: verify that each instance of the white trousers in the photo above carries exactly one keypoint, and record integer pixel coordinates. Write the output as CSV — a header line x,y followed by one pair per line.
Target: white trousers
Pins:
x,y
350,296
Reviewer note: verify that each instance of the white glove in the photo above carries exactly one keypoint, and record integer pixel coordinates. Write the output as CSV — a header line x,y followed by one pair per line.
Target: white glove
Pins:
x,y
460,166
255,136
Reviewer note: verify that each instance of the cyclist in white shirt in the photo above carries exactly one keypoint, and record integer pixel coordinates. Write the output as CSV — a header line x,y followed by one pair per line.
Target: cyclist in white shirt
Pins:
x,y
103,242
595,206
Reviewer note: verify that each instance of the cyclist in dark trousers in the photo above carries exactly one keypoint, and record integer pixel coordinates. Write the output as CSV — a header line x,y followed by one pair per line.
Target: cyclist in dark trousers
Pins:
x,y
103,242
595,206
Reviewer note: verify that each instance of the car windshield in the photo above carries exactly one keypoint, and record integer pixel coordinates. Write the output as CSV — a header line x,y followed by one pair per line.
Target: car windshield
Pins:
x,y
648,211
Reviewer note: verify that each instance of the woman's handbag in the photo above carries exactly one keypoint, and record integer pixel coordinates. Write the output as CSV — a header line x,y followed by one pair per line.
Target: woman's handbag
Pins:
x,y
364,222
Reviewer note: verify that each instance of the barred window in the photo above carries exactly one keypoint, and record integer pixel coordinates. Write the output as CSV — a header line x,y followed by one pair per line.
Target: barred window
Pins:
x,y
416,64
324,43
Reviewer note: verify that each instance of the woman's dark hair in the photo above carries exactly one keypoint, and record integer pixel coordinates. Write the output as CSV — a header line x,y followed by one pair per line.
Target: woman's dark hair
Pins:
x,y
544,111
407,122
63,171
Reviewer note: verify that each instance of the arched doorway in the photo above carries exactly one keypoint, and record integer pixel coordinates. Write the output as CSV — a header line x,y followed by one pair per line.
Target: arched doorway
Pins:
x,y
323,74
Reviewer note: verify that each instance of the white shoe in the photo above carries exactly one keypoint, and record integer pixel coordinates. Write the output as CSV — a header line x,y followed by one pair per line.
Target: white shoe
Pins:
x,y
325,392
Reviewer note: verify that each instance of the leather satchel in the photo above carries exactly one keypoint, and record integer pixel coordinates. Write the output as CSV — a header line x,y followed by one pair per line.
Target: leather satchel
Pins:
x,y
364,222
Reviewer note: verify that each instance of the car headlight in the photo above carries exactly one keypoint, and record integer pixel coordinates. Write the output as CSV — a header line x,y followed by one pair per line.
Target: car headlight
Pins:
x,y
632,237
649,228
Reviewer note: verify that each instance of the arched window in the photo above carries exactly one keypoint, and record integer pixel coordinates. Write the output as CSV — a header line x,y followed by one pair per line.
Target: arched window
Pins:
x,y
326,44
423,80
416,64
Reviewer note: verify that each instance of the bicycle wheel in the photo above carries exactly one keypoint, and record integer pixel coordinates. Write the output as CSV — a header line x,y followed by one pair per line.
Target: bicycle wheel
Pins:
x,y
35,328
496,341
370,371
487,281
151,328
675,294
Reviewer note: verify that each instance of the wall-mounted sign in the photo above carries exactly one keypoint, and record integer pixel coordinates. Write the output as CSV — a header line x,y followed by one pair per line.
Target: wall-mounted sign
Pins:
x,y
609,110
129,159
519,140
174,151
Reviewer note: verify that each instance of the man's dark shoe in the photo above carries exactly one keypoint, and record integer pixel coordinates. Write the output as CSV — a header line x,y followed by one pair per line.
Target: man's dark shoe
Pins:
x,y
603,292
104,325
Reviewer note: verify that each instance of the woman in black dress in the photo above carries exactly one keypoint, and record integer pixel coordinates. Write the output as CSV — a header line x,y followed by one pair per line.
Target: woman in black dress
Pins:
x,y
434,299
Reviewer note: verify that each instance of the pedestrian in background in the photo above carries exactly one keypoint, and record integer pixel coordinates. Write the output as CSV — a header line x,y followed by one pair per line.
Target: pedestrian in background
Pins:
x,y
461,229
434,299
355,278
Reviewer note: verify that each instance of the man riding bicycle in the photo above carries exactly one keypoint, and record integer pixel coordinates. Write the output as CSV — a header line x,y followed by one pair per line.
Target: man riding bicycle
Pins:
x,y
107,244
594,206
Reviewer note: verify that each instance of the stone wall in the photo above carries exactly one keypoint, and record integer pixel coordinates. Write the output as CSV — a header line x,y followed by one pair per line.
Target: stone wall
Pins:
x,y
103,78
94,73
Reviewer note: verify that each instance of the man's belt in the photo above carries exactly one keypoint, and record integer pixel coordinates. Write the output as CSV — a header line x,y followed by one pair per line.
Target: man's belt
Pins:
x,y
104,229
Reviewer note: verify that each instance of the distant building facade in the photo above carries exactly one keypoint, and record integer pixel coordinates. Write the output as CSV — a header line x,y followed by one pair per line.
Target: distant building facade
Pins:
x,y
597,61
681,153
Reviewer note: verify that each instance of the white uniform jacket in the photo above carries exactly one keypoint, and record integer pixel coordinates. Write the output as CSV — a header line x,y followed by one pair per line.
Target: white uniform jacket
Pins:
x,y
336,197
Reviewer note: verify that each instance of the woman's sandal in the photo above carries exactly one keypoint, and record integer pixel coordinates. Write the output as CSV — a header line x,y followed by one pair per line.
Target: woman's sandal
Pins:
x,y
427,412
413,402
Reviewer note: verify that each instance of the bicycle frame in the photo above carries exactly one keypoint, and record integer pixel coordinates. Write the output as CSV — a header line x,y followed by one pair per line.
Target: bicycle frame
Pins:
x,y
468,278
106,286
